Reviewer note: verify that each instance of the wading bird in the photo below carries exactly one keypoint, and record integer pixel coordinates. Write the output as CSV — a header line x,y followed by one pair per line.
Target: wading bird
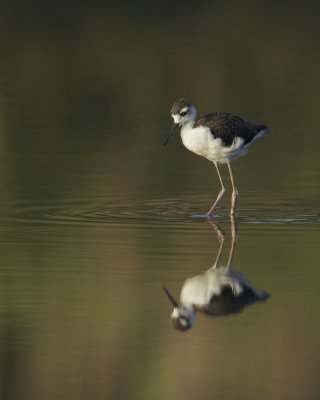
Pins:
x,y
219,137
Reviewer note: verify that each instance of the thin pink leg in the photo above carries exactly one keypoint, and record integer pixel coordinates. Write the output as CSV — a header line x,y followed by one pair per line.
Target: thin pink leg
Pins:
x,y
234,234
221,193
235,195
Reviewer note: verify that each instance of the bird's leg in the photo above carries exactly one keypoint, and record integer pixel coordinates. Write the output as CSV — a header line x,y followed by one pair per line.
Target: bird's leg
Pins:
x,y
221,237
234,196
234,233
221,193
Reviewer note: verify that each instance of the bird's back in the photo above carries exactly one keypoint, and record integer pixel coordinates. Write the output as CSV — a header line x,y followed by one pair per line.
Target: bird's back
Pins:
x,y
229,303
227,127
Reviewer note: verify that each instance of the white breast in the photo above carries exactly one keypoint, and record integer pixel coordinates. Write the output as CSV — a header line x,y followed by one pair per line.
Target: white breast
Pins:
x,y
200,141
200,289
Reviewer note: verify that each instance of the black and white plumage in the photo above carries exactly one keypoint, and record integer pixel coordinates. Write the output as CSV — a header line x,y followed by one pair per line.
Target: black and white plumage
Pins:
x,y
219,137
219,291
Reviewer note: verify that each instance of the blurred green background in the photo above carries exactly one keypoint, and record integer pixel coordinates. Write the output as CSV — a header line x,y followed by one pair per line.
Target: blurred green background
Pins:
x,y
95,212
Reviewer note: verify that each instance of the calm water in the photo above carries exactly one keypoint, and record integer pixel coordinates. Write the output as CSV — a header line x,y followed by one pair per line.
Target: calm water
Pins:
x,y
95,213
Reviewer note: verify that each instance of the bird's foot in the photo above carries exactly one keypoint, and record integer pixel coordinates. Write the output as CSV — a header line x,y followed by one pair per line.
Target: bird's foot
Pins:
x,y
233,213
210,215
200,216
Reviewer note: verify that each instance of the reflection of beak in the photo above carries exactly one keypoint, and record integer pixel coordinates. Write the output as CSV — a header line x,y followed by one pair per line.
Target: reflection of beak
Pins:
x,y
173,130
172,300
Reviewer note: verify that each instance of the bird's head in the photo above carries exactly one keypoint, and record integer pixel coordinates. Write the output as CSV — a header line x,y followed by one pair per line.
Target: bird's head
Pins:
x,y
182,317
182,112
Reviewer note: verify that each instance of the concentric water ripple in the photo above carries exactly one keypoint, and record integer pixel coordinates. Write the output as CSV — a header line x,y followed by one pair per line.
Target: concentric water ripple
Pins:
x,y
116,211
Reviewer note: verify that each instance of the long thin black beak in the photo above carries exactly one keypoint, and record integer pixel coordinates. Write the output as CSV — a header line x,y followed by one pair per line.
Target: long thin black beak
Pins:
x,y
172,300
173,130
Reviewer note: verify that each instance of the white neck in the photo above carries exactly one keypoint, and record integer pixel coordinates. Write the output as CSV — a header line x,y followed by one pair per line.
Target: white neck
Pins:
x,y
193,113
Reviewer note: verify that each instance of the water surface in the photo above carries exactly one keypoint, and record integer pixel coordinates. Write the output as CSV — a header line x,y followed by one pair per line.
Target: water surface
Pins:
x,y
96,214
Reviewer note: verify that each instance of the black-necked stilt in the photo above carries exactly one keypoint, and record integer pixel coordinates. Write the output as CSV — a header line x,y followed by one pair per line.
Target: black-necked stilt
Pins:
x,y
218,291
219,137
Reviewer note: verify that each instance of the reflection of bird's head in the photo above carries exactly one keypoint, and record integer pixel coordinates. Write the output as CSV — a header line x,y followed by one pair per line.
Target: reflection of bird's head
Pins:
x,y
182,317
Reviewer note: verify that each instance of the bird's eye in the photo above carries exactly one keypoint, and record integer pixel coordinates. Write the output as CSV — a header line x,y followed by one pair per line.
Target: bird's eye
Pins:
x,y
183,113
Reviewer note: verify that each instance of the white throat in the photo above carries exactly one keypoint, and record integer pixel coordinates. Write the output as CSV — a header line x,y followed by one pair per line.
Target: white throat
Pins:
x,y
193,113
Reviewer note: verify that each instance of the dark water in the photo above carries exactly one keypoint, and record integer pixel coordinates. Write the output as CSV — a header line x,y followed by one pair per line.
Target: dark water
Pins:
x,y
95,213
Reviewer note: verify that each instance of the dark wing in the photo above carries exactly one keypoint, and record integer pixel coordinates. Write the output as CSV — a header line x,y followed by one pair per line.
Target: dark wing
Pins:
x,y
228,303
228,126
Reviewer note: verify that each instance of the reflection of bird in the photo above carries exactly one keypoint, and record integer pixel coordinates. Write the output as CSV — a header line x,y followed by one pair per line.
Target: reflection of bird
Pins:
x,y
219,137
218,291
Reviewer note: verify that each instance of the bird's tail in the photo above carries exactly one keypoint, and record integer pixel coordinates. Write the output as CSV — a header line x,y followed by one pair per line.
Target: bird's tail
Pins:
x,y
263,130
262,295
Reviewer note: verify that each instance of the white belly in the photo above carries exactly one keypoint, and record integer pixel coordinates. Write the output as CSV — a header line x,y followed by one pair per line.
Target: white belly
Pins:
x,y
200,141
199,289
